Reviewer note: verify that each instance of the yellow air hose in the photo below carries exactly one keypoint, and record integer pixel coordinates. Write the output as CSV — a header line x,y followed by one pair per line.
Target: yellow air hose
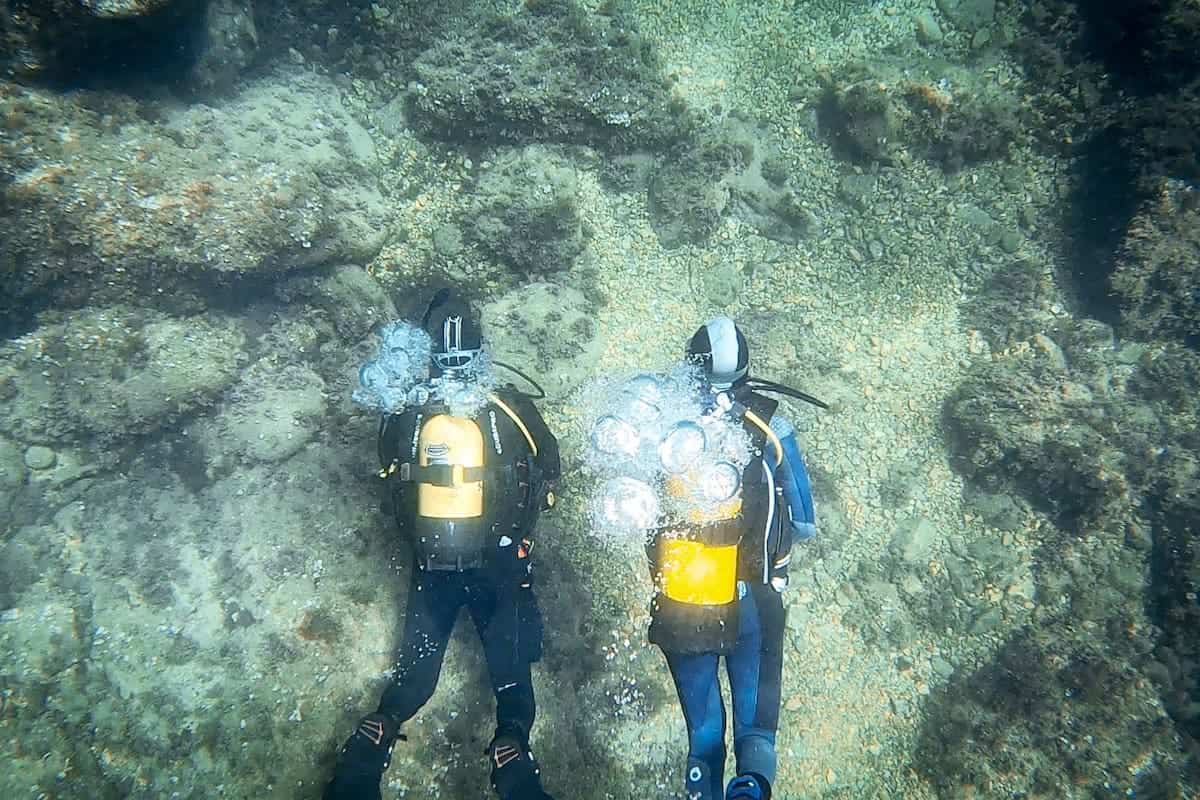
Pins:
x,y
757,420
517,420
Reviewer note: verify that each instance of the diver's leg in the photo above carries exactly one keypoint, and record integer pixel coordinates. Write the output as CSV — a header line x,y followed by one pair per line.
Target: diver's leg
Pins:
x,y
363,759
755,672
433,603
434,599
699,692
510,627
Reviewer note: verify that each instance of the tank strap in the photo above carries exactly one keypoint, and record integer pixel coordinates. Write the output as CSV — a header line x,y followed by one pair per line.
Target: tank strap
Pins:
x,y
516,420
441,474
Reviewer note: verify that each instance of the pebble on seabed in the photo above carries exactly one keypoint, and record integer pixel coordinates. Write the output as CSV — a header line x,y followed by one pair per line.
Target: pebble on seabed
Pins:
x,y
39,457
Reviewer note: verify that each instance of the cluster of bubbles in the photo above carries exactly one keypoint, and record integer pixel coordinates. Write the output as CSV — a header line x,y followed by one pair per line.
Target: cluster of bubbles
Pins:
x,y
398,376
466,390
389,382
663,450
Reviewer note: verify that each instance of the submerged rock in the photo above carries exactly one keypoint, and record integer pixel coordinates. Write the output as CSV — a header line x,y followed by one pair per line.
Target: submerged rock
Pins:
x,y
525,211
107,205
550,73
274,413
1013,422
12,465
13,474
886,112
928,30
1158,270
727,169
913,542
969,15
348,296
688,197
112,372
1104,439
546,330
1000,729
197,44
38,457
231,41
719,285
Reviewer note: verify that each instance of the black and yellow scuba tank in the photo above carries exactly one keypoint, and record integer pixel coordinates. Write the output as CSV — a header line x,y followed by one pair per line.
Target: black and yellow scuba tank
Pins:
x,y
696,573
697,561
449,526
463,482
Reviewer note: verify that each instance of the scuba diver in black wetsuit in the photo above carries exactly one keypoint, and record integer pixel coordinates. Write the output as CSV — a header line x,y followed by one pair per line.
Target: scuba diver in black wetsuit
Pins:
x,y
471,469
721,576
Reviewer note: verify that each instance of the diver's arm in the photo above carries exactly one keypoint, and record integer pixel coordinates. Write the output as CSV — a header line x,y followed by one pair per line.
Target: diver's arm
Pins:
x,y
394,431
792,475
389,434
547,445
395,437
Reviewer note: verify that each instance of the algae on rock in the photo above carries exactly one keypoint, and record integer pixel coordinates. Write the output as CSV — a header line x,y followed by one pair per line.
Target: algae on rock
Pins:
x,y
889,111
546,330
113,372
550,73
727,169
525,211
1158,270
279,178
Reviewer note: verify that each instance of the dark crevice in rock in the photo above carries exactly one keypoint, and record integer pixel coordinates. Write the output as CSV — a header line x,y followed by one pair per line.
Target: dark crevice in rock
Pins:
x,y
1149,44
74,49
1103,201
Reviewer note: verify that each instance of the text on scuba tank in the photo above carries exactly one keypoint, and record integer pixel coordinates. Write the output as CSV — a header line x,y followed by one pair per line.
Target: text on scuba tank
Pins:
x,y
495,432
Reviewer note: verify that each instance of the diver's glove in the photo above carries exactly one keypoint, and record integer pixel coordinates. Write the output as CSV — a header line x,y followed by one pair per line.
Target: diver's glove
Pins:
x,y
779,574
515,772
750,786
363,759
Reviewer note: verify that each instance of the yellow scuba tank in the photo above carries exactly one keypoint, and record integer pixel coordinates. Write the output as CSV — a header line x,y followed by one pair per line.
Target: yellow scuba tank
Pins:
x,y
698,574
458,444
696,571
701,572
699,566
450,526
698,556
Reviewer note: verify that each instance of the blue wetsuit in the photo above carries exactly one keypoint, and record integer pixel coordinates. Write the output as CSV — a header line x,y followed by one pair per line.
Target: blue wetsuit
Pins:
x,y
755,664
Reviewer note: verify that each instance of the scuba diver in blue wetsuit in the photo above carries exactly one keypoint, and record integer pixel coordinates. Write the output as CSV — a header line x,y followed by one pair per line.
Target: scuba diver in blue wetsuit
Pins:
x,y
471,465
720,579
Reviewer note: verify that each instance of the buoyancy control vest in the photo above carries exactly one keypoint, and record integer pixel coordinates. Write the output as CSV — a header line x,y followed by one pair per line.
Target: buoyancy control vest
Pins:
x,y
465,482
697,562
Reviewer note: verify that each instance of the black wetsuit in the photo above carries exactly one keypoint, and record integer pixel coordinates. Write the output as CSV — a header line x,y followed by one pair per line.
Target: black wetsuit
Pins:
x,y
509,625
496,588
498,594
